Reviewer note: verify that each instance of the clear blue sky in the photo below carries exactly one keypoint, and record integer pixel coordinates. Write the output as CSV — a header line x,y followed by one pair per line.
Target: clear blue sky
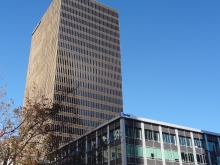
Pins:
x,y
170,56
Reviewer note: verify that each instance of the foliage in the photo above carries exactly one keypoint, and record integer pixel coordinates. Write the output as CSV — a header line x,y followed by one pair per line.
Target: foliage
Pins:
x,y
26,135
28,138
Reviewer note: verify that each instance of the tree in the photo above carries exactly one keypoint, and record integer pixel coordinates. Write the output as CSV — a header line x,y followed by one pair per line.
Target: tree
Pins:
x,y
27,135
22,129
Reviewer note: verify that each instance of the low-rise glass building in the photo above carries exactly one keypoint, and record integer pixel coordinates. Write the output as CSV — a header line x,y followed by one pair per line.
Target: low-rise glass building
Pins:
x,y
130,140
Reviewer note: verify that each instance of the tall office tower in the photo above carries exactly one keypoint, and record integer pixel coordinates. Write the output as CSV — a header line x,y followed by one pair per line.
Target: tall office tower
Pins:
x,y
75,60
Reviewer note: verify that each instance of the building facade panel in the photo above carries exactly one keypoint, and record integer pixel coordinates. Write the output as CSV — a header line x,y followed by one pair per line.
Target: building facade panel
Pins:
x,y
75,61
144,146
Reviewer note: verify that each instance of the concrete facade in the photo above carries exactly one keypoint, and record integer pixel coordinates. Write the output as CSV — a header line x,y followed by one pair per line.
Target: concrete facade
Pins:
x,y
75,60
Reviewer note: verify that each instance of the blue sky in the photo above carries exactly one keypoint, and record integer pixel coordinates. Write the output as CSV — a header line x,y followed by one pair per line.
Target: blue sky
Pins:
x,y
170,56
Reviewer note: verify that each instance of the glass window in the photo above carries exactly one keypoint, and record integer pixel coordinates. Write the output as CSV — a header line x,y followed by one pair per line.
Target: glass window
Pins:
x,y
117,134
176,156
198,157
158,153
218,160
105,155
133,133
191,157
183,156
156,136
166,138
213,159
188,142
184,141
148,135
104,138
100,156
89,146
166,155
137,133
172,139
151,135
130,150
213,146
112,153
148,152
128,131
111,137
199,143
139,151
169,138
171,156
118,151
93,143
187,157
114,134
153,153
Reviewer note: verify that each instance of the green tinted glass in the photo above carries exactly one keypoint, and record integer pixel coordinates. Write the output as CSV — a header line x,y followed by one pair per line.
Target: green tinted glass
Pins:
x,y
139,151
158,154
128,149
148,152
166,154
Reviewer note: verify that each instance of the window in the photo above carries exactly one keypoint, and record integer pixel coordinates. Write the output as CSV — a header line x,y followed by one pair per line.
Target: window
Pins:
x,y
151,135
148,135
133,133
118,151
213,146
156,136
130,150
171,156
115,134
93,143
105,155
187,157
169,138
166,138
100,156
153,153
172,139
199,143
89,146
218,160
112,153
102,139
91,159
213,160
137,134
134,151
188,141
184,141
139,151
201,158
128,131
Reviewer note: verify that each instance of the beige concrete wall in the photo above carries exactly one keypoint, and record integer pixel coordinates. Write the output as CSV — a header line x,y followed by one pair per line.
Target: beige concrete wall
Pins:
x,y
42,60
